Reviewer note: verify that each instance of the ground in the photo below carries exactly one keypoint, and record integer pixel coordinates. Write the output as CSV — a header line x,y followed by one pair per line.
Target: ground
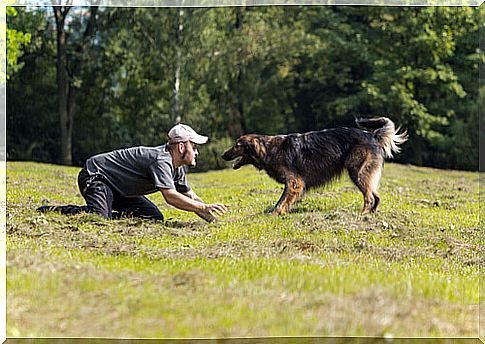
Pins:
x,y
409,270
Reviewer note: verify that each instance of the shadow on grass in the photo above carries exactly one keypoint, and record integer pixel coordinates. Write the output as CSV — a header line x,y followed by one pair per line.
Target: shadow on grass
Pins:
x,y
306,209
178,224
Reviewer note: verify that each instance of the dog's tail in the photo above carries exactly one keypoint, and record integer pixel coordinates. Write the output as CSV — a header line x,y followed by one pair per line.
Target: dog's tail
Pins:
x,y
385,132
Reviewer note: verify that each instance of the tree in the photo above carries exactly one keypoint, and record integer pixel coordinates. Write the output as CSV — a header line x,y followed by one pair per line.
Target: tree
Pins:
x,y
69,63
32,130
127,75
16,41
412,76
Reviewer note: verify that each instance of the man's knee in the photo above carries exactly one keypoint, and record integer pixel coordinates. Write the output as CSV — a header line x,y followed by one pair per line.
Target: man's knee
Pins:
x,y
145,213
140,207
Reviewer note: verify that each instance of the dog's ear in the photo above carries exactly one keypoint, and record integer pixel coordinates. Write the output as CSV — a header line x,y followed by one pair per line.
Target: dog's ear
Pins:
x,y
255,149
259,147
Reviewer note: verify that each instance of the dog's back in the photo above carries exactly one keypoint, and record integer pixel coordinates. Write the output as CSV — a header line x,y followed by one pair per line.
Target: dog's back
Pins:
x,y
320,156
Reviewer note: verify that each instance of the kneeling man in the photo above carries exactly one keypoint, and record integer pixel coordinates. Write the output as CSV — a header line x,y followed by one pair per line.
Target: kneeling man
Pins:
x,y
119,180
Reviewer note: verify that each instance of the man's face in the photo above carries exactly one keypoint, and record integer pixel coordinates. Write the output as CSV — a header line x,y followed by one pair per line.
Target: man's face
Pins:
x,y
190,153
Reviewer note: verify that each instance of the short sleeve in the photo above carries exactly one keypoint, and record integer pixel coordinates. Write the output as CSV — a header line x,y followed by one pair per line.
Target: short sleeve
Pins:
x,y
180,181
162,173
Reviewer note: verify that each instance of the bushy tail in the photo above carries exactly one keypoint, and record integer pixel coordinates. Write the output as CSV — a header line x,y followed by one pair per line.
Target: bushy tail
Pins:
x,y
385,133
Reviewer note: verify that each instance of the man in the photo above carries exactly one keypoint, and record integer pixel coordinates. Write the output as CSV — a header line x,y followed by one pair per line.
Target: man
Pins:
x,y
119,180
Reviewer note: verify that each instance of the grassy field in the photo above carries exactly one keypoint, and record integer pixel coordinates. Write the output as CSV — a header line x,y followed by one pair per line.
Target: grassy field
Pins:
x,y
410,270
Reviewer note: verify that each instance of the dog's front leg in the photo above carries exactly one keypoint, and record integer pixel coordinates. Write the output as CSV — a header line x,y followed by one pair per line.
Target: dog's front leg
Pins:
x,y
282,205
294,189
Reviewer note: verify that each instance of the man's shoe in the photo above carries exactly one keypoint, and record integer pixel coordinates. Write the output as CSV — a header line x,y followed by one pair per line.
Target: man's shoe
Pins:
x,y
47,208
70,209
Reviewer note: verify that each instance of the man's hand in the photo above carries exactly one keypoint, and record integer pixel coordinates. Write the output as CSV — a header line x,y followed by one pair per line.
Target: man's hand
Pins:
x,y
210,212
191,202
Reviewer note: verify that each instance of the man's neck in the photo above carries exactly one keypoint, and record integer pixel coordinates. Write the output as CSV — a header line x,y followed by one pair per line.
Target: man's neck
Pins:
x,y
176,161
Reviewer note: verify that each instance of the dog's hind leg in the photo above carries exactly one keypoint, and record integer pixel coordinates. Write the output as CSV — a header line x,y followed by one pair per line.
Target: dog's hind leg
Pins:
x,y
374,177
366,175
294,188
377,200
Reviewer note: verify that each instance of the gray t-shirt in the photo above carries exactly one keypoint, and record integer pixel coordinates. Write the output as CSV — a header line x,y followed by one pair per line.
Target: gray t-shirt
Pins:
x,y
139,171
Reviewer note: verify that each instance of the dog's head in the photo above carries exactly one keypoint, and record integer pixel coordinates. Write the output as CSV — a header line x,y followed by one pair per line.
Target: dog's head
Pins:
x,y
250,149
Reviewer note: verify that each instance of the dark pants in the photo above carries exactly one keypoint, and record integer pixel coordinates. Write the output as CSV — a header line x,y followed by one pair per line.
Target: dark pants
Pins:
x,y
104,200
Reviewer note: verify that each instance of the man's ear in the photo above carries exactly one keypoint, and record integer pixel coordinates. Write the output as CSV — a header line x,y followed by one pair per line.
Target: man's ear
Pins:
x,y
181,147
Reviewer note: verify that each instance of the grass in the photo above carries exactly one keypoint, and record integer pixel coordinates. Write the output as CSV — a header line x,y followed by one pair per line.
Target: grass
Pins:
x,y
410,270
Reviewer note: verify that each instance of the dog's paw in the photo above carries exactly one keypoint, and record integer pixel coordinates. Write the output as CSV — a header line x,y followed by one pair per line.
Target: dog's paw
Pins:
x,y
277,212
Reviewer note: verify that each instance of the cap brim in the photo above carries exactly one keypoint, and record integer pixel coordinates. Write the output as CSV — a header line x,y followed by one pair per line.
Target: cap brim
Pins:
x,y
199,139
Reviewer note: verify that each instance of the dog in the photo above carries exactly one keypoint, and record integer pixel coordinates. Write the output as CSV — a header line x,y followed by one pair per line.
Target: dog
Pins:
x,y
308,160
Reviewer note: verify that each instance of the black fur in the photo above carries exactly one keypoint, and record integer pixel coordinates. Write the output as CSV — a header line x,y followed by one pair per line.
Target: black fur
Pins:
x,y
302,161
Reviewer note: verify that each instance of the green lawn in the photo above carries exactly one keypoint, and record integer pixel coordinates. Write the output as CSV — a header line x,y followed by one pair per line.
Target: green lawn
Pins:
x,y
324,269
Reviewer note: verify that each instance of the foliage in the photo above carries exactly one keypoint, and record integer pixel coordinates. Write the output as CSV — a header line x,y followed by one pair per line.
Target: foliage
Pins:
x,y
411,269
271,69
16,41
32,130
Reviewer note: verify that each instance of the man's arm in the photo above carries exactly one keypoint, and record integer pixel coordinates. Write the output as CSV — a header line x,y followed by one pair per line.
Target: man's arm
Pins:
x,y
191,194
191,202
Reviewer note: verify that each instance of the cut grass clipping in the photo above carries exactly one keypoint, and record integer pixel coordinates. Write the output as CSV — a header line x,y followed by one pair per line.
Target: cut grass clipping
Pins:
x,y
411,269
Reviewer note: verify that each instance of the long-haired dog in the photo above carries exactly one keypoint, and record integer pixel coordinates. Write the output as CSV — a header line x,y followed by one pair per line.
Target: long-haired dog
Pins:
x,y
304,161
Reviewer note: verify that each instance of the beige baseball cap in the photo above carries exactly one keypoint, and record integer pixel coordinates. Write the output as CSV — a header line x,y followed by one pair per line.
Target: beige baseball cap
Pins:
x,y
183,133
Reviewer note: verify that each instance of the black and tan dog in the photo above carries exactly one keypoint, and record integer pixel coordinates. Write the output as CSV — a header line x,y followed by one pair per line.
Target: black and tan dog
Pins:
x,y
303,161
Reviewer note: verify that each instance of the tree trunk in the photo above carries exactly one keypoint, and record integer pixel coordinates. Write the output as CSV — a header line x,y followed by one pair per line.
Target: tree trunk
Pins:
x,y
63,85
67,90
237,125
176,111
418,151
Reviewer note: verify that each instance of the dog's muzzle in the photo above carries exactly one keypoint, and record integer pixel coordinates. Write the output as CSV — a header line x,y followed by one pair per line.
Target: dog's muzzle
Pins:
x,y
230,154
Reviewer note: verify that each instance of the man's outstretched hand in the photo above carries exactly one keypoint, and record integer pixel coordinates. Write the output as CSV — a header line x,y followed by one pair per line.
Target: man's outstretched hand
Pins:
x,y
211,212
189,201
